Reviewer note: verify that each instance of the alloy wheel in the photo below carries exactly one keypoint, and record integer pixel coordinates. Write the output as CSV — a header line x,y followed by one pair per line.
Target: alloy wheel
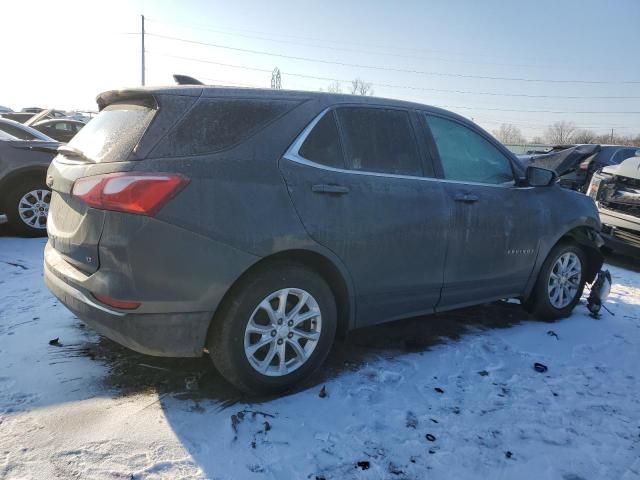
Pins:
x,y
564,280
33,208
283,332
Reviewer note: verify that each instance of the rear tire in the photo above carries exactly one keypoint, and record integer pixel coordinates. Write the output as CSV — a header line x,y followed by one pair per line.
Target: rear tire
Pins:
x,y
254,314
560,283
27,206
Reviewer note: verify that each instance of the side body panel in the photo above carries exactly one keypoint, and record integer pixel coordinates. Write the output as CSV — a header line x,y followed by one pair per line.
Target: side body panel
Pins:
x,y
494,242
390,232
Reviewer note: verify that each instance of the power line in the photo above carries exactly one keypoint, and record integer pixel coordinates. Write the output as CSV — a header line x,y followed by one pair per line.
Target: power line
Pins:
x,y
369,52
405,87
233,31
388,69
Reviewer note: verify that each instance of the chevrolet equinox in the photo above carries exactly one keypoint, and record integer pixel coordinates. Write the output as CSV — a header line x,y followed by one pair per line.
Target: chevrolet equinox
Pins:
x,y
257,225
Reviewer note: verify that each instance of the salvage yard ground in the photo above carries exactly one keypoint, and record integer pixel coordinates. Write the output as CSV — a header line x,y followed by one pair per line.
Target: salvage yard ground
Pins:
x,y
450,396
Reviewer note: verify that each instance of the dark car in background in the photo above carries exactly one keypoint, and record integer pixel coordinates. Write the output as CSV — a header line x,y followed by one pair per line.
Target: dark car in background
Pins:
x,y
255,225
22,131
616,190
24,195
61,129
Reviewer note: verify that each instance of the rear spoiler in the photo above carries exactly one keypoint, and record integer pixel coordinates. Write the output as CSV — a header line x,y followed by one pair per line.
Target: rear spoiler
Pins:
x,y
131,95
147,96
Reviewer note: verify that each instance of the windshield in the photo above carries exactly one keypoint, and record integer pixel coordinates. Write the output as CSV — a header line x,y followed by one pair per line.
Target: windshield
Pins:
x,y
113,134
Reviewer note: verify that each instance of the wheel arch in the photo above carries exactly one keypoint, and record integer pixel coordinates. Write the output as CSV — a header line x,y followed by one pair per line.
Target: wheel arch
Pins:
x,y
584,234
21,174
330,269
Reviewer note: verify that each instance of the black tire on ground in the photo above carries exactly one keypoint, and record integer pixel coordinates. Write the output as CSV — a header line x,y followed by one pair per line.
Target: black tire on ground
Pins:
x,y
226,335
11,204
539,303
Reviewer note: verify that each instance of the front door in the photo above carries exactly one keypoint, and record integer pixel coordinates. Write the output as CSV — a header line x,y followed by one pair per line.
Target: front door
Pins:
x,y
493,243
363,194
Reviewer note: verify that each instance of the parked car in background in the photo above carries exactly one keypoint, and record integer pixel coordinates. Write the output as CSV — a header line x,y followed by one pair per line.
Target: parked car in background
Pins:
x,y
5,109
22,131
61,129
576,164
24,195
616,190
255,224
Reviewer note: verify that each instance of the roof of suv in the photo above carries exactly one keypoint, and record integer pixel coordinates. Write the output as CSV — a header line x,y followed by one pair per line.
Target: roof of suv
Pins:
x,y
112,96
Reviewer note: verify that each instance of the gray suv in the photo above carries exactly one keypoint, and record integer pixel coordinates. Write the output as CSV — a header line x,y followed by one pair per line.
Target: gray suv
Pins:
x,y
257,225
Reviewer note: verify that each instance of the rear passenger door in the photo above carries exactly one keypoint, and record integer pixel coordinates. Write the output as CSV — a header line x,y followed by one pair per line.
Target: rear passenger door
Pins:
x,y
495,224
360,182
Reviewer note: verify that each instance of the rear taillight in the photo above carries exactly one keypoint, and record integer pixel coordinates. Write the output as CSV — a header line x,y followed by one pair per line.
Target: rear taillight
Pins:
x,y
141,193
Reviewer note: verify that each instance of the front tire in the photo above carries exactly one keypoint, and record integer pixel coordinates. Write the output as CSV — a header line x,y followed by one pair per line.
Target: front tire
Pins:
x,y
560,283
27,207
275,329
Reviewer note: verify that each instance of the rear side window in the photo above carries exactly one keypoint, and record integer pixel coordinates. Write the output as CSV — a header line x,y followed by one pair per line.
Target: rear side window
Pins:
x,y
379,140
466,156
216,124
112,135
322,145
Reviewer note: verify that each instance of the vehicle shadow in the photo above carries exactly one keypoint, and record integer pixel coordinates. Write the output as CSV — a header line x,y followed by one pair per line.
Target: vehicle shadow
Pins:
x,y
131,373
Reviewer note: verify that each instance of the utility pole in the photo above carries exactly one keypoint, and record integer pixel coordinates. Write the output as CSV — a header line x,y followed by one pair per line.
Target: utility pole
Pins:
x,y
276,79
611,136
142,16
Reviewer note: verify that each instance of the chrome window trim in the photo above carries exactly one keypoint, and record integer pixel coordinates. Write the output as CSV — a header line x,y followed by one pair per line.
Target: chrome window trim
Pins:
x,y
292,154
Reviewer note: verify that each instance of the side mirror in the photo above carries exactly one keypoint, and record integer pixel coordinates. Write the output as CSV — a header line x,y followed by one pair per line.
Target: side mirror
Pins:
x,y
540,177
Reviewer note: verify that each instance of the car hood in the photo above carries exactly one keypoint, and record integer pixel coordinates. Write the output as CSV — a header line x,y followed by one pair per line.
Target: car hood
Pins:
x,y
562,161
629,168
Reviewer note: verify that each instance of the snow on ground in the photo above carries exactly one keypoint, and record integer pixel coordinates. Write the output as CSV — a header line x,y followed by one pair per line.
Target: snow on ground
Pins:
x,y
88,408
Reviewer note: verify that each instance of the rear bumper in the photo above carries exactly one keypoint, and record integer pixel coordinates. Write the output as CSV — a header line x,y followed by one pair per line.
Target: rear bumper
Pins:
x,y
159,334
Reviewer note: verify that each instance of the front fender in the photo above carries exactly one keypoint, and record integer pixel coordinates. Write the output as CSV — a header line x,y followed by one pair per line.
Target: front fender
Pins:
x,y
585,232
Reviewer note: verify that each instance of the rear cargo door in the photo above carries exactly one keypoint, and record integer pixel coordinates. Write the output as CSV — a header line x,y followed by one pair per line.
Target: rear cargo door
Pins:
x,y
104,145
363,195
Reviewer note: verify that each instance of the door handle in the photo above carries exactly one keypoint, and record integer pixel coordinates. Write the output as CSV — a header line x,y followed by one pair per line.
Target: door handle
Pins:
x,y
331,189
466,197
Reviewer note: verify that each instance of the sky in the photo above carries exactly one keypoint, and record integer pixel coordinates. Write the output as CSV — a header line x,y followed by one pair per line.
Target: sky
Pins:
x,y
529,63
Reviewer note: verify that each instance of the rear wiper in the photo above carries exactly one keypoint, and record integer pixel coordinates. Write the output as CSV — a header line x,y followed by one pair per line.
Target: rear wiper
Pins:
x,y
71,152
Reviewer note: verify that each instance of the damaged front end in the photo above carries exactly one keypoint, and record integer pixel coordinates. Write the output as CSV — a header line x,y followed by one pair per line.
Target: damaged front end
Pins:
x,y
616,190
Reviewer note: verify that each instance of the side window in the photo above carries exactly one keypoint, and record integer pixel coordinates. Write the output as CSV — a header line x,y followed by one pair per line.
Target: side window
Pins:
x,y
379,140
322,145
219,123
467,156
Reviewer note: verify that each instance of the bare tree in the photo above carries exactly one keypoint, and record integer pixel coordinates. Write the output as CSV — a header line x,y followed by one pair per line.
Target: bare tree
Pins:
x,y
509,134
584,136
360,87
560,133
537,140
334,87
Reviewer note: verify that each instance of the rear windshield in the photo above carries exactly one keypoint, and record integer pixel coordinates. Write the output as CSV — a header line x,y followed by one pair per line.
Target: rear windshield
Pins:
x,y
112,135
217,124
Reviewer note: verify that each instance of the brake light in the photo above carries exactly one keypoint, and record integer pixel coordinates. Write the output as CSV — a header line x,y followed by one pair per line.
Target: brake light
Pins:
x,y
112,302
139,193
